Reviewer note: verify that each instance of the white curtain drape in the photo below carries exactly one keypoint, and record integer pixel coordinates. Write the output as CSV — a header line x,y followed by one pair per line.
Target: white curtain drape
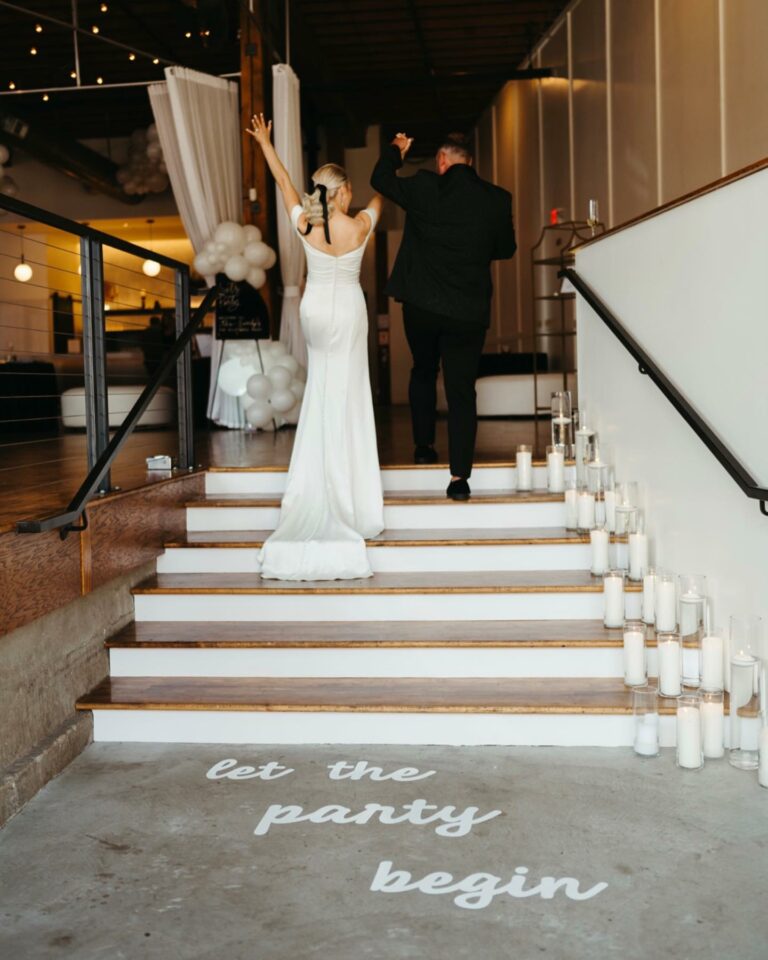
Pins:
x,y
198,124
287,135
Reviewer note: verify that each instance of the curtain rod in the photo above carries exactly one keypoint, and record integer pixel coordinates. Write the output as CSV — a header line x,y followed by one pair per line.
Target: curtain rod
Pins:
x,y
97,86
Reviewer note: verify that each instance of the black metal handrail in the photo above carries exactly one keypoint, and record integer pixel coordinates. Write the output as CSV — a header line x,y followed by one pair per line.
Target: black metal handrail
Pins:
x,y
647,366
66,520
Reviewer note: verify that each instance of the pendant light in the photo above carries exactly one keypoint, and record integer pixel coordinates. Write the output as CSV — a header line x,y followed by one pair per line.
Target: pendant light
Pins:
x,y
22,271
150,267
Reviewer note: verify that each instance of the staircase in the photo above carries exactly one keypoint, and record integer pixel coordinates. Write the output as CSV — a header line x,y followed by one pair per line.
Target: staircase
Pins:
x,y
481,625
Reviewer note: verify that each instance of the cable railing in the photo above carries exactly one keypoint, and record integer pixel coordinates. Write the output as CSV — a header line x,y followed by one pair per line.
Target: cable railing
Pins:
x,y
91,327
648,367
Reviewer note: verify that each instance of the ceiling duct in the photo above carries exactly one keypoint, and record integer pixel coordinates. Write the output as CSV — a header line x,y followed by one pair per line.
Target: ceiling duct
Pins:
x,y
42,142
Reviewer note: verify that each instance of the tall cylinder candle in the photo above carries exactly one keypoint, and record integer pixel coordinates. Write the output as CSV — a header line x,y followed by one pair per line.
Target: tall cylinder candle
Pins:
x,y
571,509
610,510
670,664
583,437
599,544
712,673
586,510
638,555
556,469
689,746
665,603
613,591
649,591
634,654
524,468
712,724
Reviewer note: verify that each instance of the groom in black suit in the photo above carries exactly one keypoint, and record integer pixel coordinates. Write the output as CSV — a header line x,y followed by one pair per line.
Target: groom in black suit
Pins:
x,y
455,225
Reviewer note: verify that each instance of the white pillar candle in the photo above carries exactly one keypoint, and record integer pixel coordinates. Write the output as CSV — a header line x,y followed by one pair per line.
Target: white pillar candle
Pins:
x,y
571,509
556,471
638,555
582,438
647,735
613,590
524,470
621,553
599,543
666,608
762,768
634,658
750,733
586,510
689,737
610,510
669,668
690,609
712,663
649,589
712,729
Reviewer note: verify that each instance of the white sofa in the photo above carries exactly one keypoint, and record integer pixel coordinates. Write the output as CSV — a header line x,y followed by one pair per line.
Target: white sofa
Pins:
x,y
160,413
511,394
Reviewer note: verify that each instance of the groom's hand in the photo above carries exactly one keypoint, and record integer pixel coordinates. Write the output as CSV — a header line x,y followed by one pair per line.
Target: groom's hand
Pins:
x,y
403,143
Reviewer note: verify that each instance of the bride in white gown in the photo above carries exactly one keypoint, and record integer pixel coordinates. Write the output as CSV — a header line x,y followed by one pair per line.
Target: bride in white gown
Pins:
x,y
333,498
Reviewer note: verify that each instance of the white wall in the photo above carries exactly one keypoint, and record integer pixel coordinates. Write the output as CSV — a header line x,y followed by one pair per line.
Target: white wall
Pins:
x,y
695,300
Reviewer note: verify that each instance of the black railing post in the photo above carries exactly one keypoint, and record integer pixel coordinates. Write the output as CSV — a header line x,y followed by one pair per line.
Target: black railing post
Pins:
x,y
94,353
184,376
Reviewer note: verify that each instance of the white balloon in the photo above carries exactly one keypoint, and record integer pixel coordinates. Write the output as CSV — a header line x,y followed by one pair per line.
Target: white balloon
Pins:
x,y
230,234
279,348
271,259
154,150
5,154
8,186
259,386
282,401
233,376
297,389
221,249
259,413
290,363
256,277
203,265
257,254
251,234
236,268
281,377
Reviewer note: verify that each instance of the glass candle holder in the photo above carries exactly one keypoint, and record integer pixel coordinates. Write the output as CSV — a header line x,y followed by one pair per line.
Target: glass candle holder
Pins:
x,y
609,496
712,723
562,419
762,767
638,549
613,594
670,656
649,596
628,494
524,464
583,440
665,601
635,664
711,669
625,523
597,472
690,753
585,510
692,617
645,711
599,540
744,713
556,469
571,503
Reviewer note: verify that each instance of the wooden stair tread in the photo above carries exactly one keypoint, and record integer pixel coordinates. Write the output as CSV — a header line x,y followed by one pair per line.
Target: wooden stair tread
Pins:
x,y
481,536
283,468
367,634
391,498
406,695
476,582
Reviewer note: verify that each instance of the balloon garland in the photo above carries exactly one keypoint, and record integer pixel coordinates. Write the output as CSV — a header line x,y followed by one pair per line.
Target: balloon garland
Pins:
x,y
237,251
269,383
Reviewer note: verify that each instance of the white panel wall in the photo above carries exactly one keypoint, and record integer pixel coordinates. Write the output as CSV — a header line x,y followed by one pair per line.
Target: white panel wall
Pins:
x,y
695,300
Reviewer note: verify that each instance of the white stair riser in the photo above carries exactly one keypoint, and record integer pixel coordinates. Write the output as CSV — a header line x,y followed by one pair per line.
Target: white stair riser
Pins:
x,y
441,559
353,727
422,516
273,481
345,607
370,662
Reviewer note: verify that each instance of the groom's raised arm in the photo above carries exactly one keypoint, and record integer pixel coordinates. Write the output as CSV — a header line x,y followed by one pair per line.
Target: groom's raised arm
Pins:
x,y
385,180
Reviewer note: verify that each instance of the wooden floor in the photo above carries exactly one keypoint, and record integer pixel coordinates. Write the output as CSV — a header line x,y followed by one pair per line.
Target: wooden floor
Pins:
x,y
39,475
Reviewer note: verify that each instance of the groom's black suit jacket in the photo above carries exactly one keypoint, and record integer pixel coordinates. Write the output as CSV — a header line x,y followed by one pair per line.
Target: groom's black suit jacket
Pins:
x,y
455,225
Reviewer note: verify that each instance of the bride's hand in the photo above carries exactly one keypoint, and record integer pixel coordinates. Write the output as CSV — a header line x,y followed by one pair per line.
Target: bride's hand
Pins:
x,y
260,130
403,143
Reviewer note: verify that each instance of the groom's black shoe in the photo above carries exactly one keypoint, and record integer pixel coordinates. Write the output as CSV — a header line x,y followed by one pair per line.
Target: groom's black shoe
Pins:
x,y
425,454
458,490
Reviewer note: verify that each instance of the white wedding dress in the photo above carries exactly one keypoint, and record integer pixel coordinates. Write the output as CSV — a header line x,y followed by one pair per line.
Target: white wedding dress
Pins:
x,y
333,498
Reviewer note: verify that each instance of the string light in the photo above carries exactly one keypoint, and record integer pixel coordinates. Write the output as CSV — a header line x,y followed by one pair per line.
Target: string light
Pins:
x,y
11,85
46,98
151,267
38,28
22,271
131,56
94,29
99,80
103,8
73,74
188,34
33,51
156,60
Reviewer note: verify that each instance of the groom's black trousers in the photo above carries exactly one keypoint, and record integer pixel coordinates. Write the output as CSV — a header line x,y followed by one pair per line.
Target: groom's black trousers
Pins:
x,y
434,338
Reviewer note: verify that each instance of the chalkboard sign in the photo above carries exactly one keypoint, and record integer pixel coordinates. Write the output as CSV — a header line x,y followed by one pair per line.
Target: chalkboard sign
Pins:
x,y
241,314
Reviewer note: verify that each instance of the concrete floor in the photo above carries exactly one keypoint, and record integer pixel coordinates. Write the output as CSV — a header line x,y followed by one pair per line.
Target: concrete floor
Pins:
x,y
134,853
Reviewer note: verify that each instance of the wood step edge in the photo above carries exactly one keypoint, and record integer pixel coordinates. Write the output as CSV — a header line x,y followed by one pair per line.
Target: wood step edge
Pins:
x,y
273,588
567,539
391,498
485,465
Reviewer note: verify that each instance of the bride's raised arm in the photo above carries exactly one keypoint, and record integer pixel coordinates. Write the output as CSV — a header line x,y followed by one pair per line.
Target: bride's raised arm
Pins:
x,y
261,131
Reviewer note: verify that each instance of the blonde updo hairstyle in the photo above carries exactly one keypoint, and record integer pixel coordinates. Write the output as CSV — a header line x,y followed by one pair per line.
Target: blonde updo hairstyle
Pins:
x,y
332,177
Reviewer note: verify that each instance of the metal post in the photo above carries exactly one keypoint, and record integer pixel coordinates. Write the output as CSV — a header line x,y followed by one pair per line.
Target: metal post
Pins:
x,y
94,353
184,376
